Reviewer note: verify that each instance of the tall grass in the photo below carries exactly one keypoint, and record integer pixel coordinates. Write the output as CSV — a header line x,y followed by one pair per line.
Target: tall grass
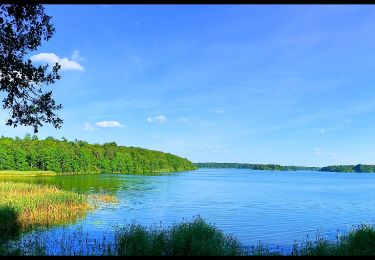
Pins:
x,y
24,206
13,173
188,238
359,241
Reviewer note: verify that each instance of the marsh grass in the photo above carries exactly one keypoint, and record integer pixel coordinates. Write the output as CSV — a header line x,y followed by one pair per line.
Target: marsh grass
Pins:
x,y
103,198
24,206
12,173
188,238
360,241
194,237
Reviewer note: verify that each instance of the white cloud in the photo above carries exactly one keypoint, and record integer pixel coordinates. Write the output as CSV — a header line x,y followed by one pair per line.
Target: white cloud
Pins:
x,y
76,56
52,58
157,119
322,130
317,151
88,127
108,124
46,57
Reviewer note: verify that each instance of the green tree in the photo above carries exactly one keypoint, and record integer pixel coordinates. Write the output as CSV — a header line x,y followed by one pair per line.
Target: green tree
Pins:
x,y
22,29
81,157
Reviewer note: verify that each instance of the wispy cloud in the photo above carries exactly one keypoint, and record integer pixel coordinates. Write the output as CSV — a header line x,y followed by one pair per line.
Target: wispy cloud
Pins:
x,y
76,56
88,127
51,58
322,130
157,119
109,124
317,151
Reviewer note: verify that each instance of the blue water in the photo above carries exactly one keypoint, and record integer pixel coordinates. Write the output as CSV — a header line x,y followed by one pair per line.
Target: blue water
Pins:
x,y
273,207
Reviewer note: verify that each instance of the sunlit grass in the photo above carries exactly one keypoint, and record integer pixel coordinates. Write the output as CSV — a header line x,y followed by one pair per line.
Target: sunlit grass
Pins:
x,y
103,198
27,173
24,206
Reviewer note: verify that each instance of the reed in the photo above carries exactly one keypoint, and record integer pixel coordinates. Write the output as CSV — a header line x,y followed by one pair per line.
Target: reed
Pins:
x,y
24,206
189,238
26,173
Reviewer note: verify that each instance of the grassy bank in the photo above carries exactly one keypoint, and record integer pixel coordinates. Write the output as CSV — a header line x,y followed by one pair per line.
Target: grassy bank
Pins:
x,y
11,173
24,206
189,238
358,242
186,238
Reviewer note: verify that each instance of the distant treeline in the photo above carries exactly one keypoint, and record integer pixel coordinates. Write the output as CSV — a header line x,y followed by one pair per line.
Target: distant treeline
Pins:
x,y
63,156
276,167
271,167
349,168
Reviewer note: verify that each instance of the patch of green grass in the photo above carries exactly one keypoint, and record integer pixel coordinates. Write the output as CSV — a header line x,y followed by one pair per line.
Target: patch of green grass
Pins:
x,y
187,238
357,242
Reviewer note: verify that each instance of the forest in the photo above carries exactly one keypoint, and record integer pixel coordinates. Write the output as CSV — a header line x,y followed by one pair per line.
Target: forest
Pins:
x,y
349,168
270,167
276,167
63,156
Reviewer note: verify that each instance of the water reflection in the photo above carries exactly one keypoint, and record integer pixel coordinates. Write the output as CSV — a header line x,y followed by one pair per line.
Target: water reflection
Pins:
x,y
86,183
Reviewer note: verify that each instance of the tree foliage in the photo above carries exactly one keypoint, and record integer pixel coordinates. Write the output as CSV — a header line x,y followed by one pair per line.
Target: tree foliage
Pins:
x,y
22,29
66,156
349,168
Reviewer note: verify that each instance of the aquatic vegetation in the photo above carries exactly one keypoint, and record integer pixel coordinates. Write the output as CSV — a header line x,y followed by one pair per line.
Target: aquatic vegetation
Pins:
x,y
24,206
359,241
11,173
103,198
195,237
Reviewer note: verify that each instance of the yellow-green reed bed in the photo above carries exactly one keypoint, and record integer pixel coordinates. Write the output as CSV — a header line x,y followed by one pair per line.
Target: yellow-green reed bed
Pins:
x,y
27,173
23,206
103,198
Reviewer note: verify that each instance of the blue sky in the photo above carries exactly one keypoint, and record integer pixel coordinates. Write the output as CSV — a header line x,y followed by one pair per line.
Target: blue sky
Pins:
x,y
285,84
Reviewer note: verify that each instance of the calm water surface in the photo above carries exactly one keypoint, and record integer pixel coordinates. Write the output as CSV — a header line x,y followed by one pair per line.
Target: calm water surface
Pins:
x,y
276,208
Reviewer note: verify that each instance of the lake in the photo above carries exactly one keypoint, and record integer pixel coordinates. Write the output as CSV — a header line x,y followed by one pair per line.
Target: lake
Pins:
x,y
273,207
